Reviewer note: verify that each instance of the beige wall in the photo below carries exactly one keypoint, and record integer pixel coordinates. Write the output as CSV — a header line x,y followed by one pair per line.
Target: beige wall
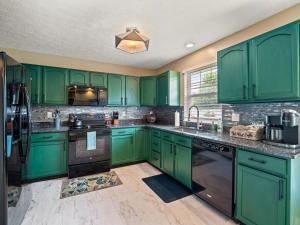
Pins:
x,y
59,61
207,55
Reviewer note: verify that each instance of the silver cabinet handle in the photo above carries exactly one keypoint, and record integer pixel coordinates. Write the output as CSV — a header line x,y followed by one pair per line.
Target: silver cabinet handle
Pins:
x,y
280,189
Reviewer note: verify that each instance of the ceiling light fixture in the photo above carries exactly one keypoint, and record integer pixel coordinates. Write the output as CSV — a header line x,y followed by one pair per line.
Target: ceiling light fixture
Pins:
x,y
189,45
132,41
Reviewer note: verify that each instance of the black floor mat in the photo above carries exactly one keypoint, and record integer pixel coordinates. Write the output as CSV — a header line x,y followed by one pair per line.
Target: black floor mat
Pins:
x,y
167,188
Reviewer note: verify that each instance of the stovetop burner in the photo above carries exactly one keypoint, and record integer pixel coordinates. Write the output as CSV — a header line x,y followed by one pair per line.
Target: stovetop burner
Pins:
x,y
89,121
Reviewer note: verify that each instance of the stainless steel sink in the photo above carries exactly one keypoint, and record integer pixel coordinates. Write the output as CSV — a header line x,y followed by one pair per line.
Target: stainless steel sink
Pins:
x,y
191,130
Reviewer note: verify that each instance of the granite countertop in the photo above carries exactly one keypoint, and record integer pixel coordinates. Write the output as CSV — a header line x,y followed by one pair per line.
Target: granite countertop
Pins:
x,y
36,130
255,146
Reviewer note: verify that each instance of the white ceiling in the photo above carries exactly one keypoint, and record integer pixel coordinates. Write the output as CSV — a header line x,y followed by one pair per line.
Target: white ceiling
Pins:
x,y
85,29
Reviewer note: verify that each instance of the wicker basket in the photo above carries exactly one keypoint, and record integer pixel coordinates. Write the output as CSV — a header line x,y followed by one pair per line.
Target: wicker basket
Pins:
x,y
247,132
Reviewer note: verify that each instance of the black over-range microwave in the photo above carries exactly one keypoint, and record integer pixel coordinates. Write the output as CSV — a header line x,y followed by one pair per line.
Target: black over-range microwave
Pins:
x,y
87,96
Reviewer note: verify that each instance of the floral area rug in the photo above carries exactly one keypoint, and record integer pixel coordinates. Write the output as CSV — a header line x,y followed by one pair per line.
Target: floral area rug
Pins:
x,y
80,185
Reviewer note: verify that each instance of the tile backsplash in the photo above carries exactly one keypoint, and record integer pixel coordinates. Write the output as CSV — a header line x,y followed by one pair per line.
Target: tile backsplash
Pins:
x,y
255,112
165,115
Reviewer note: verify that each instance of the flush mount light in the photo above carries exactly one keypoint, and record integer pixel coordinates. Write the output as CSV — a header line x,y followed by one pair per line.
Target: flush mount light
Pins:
x,y
132,41
189,45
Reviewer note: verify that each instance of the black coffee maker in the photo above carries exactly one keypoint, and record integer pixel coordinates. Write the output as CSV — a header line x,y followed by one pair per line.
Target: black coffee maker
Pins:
x,y
283,129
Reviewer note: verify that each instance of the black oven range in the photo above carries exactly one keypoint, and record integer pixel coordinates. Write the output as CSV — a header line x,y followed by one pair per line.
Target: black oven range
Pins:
x,y
89,145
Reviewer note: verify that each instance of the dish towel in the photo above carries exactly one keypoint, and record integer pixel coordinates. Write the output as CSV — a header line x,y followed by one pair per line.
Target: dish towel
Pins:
x,y
8,145
91,140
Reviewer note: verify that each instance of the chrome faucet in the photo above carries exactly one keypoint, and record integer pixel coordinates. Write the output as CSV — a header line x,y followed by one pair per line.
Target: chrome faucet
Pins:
x,y
198,117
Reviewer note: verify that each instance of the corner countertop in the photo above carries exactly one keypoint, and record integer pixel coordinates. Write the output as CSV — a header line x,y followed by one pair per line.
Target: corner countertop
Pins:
x,y
254,146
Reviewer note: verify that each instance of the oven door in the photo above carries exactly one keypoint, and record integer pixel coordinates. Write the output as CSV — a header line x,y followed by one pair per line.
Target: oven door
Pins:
x,y
78,149
213,176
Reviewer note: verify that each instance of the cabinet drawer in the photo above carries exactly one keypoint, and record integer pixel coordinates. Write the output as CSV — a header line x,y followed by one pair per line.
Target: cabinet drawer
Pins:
x,y
263,162
155,133
155,144
166,136
155,158
49,136
122,131
184,141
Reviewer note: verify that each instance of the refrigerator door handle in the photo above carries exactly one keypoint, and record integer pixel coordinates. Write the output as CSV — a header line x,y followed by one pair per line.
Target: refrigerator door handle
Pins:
x,y
25,155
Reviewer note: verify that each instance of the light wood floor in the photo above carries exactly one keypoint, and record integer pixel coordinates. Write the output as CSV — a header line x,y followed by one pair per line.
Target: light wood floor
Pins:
x,y
132,203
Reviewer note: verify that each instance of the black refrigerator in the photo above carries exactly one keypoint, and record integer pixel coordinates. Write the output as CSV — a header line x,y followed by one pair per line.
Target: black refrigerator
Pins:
x,y
15,139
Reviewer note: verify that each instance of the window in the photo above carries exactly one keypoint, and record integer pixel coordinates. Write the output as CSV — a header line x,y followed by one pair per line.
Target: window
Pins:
x,y
201,90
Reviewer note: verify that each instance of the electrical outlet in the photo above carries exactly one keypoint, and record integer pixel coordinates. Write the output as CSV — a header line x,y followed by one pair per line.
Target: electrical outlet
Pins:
x,y
49,115
235,117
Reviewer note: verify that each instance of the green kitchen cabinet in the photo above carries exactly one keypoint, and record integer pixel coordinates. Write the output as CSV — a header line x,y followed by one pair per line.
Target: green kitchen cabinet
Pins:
x,y
122,149
168,89
55,81
140,144
233,66
132,91
79,77
98,79
274,64
116,89
183,165
48,156
33,77
261,197
167,157
148,91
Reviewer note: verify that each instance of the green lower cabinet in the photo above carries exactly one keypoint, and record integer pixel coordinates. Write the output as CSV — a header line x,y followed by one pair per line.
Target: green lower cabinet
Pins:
x,y
140,144
122,149
183,165
167,157
47,158
261,197
155,159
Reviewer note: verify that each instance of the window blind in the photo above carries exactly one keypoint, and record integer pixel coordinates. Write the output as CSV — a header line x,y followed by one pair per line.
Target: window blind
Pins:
x,y
200,89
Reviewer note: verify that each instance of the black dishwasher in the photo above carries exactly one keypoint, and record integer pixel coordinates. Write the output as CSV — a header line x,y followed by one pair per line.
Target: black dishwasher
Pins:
x,y
213,174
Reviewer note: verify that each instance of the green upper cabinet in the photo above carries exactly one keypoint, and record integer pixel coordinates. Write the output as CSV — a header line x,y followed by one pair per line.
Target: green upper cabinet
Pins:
x,y
98,79
168,89
261,198
79,77
116,89
233,66
132,91
274,64
33,77
148,91
55,81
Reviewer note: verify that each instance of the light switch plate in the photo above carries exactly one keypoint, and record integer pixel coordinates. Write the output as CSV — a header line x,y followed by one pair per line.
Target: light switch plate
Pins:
x,y
49,115
235,117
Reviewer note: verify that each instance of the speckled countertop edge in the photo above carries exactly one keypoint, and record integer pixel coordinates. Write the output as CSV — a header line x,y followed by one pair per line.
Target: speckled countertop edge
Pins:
x,y
253,146
36,130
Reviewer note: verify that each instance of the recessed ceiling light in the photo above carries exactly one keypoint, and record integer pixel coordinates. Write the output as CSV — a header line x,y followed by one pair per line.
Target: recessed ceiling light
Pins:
x,y
189,45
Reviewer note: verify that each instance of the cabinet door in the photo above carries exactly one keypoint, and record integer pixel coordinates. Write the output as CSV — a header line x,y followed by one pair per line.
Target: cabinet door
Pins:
x,y
122,149
46,159
98,79
148,91
140,144
116,89
261,198
167,160
233,74
55,81
33,76
183,165
162,89
274,64
79,77
132,97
